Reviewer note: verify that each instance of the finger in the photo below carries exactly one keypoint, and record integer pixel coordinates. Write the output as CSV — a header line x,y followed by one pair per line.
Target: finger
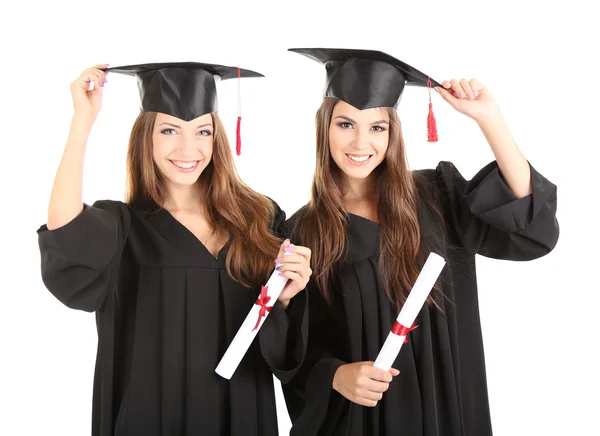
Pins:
x,y
285,244
294,267
394,372
369,395
291,258
375,386
464,83
292,276
300,250
95,76
457,89
447,95
377,374
476,86
363,401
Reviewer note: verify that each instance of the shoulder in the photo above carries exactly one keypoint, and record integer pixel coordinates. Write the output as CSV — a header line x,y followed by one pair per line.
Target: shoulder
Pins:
x,y
434,181
117,209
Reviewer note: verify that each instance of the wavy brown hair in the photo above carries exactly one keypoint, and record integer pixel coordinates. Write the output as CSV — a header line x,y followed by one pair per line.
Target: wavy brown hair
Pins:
x,y
322,224
232,207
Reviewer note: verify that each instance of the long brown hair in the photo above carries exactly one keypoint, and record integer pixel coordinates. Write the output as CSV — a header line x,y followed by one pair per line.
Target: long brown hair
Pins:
x,y
232,207
323,224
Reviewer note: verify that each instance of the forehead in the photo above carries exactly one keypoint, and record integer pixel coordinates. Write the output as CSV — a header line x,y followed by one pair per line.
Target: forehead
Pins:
x,y
344,109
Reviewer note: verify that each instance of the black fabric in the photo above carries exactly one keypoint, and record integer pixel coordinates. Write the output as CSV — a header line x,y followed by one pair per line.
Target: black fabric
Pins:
x,y
185,90
441,390
166,310
365,78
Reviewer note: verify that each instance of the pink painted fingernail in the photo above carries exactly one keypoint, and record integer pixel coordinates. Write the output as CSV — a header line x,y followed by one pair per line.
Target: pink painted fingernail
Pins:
x,y
278,260
289,249
281,274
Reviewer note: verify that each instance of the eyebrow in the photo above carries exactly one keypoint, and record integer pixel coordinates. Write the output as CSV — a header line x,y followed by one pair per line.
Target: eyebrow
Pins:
x,y
179,127
350,120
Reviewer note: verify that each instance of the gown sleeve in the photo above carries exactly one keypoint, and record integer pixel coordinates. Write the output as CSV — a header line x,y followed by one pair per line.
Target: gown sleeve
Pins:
x,y
488,218
283,336
309,396
80,260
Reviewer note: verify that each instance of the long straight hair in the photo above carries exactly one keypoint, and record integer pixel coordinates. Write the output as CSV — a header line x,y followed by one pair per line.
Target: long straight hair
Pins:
x,y
232,207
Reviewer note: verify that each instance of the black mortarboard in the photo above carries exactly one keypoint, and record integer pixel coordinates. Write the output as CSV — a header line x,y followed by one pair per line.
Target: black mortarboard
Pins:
x,y
186,90
368,79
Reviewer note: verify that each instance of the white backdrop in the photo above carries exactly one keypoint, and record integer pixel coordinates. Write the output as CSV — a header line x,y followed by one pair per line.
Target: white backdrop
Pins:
x,y
536,57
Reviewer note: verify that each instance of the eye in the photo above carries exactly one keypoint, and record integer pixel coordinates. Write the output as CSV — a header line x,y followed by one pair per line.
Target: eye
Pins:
x,y
168,131
345,125
205,133
378,128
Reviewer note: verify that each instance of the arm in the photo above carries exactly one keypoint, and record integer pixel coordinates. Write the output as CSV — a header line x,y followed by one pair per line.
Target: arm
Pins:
x,y
81,246
283,336
472,99
66,198
508,210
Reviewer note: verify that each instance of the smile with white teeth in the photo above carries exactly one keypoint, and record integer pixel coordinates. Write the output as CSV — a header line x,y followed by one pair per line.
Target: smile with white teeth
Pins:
x,y
358,158
182,164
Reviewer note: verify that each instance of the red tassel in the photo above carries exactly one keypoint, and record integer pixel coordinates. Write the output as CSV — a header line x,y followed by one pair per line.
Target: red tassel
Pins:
x,y
432,135
238,137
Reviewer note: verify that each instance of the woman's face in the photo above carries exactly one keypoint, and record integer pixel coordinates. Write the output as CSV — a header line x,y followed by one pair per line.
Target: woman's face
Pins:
x,y
358,140
182,149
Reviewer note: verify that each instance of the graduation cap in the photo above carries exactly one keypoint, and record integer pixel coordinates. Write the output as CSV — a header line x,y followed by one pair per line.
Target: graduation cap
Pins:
x,y
186,90
368,79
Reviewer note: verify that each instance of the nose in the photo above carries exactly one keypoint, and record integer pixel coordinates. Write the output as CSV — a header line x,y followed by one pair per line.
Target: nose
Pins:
x,y
187,143
361,140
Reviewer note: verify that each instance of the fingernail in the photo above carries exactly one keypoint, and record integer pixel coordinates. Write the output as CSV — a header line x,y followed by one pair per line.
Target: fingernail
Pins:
x,y
287,240
472,96
289,249
278,268
277,260
463,95
281,274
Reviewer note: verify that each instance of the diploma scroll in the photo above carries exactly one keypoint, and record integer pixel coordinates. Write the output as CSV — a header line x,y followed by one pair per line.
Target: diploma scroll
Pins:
x,y
411,308
251,325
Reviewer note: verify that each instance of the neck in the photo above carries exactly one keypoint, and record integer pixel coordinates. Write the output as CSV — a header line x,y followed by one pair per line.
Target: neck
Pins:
x,y
189,198
358,189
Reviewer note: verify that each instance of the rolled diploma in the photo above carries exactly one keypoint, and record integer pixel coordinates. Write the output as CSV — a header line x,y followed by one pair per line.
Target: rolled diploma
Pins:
x,y
247,332
411,308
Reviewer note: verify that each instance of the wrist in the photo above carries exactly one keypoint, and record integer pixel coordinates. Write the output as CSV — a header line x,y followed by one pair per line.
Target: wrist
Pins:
x,y
82,122
489,118
285,303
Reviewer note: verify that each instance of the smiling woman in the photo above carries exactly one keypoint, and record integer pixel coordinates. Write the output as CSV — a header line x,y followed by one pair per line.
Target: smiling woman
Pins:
x,y
172,272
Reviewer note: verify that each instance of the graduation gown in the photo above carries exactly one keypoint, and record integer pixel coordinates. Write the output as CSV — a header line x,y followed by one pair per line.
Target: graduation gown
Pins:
x,y
166,310
441,389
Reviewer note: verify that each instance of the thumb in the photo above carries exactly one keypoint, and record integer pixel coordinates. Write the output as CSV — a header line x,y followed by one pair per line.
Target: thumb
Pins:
x,y
394,371
446,95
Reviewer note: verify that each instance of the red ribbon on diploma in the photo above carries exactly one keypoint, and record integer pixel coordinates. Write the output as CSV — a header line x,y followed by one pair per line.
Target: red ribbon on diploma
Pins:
x,y
262,302
400,330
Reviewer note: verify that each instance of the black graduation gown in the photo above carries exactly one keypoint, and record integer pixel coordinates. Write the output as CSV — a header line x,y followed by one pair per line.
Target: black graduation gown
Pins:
x,y
166,310
441,390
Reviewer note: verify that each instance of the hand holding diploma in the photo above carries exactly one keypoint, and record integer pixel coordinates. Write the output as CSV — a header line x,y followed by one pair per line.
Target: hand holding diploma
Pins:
x,y
289,278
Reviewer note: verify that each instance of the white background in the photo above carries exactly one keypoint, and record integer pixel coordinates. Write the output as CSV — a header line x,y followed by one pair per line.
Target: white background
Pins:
x,y
539,318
